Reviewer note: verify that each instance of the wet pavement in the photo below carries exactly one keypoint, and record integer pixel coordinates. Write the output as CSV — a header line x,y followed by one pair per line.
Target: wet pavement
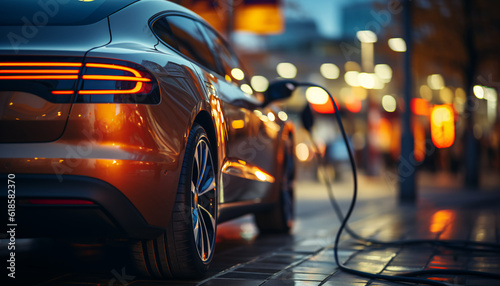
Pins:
x,y
243,257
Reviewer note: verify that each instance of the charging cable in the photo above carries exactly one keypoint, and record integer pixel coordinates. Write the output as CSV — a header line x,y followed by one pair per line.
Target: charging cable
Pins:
x,y
406,277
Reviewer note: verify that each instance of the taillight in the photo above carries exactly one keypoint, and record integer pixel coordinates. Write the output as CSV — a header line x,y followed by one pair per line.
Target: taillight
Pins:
x,y
41,77
39,70
107,81
95,81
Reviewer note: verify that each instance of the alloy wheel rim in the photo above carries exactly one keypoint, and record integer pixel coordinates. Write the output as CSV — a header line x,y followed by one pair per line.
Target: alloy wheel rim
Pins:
x,y
203,193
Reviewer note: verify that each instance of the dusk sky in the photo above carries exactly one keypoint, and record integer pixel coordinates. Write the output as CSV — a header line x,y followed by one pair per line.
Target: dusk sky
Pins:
x,y
326,13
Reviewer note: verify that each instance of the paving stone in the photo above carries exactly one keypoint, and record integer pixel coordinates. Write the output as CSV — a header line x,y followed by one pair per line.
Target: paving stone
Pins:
x,y
231,282
245,275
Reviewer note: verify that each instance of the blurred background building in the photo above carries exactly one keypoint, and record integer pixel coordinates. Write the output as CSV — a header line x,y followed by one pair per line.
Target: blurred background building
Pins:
x,y
355,49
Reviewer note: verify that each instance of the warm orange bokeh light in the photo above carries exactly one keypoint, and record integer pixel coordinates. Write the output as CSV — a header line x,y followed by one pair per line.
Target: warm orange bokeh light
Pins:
x,y
261,19
420,106
419,137
326,108
440,220
443,126
353,104
385,129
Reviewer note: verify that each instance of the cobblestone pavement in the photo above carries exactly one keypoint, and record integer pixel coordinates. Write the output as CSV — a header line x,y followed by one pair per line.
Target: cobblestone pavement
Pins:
x,y
306,257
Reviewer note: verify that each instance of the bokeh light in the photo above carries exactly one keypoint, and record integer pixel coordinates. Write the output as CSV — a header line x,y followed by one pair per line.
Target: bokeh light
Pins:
x,y
435,81
351,78
259,83
442,126
329,71
446,95
389,103
367,80
384,72
397,44
271,116
352,66
286,70
478,91
316,95
366,36
302,152
237,74
426,92
283,116
246,88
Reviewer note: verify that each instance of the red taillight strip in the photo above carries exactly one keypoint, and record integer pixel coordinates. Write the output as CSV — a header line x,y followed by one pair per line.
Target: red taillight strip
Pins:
x,y
115,77
39,71
62,74
136,89
55,74
137,77
63,92
116,67
38,76
40,64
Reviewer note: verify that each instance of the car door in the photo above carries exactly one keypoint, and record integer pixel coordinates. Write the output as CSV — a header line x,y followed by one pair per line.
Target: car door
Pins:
x,y
248,157
248,170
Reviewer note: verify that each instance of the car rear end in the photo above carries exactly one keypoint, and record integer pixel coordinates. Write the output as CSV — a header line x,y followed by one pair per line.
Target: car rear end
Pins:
x,y
74,128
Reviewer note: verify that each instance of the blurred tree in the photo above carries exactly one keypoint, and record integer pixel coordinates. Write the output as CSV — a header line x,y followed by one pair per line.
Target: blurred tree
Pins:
x,y
461,40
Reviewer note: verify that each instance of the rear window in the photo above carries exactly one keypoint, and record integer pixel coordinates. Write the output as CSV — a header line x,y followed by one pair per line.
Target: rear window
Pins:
x,y
57,12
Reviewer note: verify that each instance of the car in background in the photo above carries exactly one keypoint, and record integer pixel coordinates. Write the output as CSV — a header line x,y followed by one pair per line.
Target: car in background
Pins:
x,y
135,120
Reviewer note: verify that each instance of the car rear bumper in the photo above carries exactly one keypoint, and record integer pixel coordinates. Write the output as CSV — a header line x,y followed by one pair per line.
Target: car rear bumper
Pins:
x,y
107,212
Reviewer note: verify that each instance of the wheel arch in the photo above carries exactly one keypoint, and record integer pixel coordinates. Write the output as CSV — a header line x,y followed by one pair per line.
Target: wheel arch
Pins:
x,y
204,119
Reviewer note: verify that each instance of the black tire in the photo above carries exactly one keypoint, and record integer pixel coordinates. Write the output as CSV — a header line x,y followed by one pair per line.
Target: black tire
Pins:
x,y
186,248
280,219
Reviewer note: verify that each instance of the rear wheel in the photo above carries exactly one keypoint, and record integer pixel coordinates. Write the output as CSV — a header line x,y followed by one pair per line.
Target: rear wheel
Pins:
x,y
186,248
280,218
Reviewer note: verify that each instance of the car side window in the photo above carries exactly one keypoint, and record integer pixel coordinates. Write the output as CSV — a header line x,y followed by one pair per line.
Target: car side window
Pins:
x,y
230,64
182,34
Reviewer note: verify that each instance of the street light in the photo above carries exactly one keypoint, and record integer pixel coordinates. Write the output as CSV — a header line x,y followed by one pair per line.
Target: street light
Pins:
x,y
367,39
366,36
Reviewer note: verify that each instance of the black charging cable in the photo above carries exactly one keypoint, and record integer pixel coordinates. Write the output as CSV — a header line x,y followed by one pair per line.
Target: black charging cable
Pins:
x,y
344,226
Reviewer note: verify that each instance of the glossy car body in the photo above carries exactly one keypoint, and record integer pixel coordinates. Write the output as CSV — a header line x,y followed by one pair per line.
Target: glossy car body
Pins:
x,y
108,165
